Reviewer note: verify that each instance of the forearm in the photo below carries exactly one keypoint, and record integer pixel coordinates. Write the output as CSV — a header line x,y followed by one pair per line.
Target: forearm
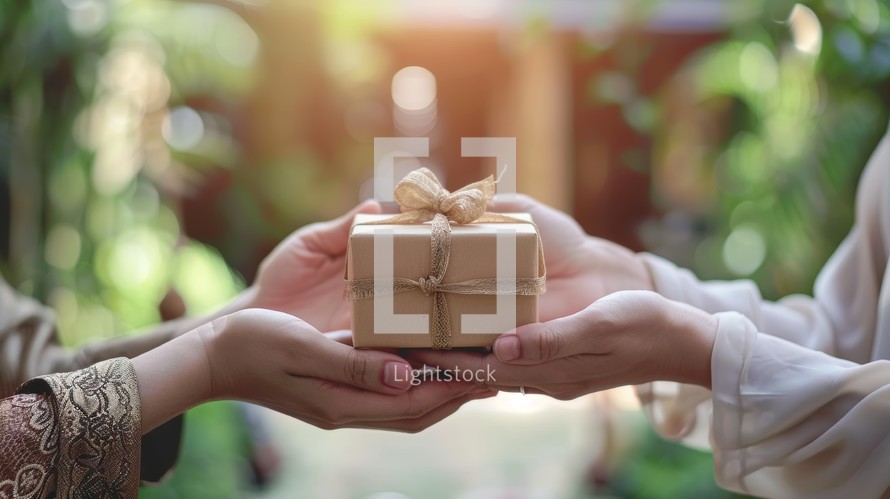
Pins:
x,y
173,377
799,319
137,344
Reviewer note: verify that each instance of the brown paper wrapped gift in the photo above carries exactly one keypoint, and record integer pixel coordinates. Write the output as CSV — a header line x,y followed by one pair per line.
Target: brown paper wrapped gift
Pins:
x,y
466,284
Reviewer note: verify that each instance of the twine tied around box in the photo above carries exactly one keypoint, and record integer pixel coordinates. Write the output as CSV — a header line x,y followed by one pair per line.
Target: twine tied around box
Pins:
x,y
423,199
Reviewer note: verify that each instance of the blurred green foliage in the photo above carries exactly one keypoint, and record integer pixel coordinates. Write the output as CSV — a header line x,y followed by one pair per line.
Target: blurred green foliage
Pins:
x,y
803,92
806,91
657,469
212,462
804,118
96,231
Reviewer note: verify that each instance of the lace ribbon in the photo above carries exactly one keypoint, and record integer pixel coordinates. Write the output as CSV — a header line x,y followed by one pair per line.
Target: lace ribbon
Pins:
x,y
423,199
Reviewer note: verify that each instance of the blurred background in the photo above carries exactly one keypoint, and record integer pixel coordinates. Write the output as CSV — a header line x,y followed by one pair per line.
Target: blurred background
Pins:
x,y
153,151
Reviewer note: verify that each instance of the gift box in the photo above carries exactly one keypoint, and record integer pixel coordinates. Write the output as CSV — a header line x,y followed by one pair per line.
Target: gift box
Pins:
x,y
465,287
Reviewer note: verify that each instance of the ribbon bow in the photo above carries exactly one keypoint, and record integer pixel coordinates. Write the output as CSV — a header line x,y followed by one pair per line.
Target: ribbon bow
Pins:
x,y
422,199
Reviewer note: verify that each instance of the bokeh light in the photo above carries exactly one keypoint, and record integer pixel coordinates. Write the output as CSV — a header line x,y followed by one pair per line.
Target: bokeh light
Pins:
x,y
63,247
183,128
86,17
414,99
414,88
744,250
806,31
758,68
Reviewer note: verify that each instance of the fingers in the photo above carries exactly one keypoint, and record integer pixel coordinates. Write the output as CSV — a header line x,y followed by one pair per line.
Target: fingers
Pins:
x,y
554,305
365,369
556,227
410,425
525,390
342,405
331,237
344,336
523,203
480,368
535,378
429,419
544,341
519,203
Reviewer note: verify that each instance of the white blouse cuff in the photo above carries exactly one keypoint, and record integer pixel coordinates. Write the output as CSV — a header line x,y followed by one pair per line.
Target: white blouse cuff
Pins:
x,y
682,285
735,340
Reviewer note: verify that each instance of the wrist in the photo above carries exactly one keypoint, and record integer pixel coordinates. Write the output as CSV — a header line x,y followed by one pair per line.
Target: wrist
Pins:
x,y
643,273
172,378
178,327
694,332
216,339
245,299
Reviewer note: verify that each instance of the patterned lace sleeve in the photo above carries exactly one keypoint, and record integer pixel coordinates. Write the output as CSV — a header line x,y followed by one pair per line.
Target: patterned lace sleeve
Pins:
x,y
29,342
28,446
73,435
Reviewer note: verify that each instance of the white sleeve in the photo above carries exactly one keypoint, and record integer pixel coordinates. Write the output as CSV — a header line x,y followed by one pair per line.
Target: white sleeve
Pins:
x,y
840,318
789,421
780,407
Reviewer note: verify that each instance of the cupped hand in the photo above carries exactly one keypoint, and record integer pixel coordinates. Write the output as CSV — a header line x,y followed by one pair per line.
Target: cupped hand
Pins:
x,y
283,363
626,338
580,268
303,276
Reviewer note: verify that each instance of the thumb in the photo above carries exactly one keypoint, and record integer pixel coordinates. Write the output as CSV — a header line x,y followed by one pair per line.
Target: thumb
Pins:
x,y
343,336
366,369
540,342
330,237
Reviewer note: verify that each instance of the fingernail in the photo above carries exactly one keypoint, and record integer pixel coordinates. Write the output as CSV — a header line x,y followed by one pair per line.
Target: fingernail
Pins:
x,y
507,347
397,375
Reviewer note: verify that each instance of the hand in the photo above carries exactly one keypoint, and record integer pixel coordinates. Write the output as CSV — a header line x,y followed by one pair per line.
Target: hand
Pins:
x,y
580,268
303,276
283,363
626,338
278,361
